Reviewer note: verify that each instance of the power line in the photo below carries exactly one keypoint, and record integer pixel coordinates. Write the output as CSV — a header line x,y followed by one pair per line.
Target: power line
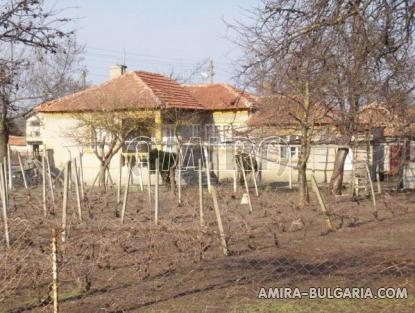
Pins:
x,y
141,61
119,53
183,60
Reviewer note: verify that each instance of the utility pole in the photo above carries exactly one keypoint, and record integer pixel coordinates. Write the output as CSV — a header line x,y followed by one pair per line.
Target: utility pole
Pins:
x,y
211,73
123,63
83,78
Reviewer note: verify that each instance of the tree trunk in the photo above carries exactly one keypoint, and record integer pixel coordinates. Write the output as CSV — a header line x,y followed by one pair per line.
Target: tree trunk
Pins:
x,y
101,177
3,138
336,182
302,181
302,175
4,129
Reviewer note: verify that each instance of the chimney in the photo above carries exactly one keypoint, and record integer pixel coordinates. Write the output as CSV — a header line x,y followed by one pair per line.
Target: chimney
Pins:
x,y
117,70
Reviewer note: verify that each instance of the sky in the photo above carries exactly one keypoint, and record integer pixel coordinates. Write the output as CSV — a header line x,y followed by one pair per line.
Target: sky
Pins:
x,y
165,36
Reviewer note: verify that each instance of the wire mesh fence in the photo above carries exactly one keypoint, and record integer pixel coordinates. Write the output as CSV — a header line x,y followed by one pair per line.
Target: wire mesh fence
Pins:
x,y
135,265
180,264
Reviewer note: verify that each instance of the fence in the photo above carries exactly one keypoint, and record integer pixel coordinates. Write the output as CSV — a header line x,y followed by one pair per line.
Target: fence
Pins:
x,y
203,246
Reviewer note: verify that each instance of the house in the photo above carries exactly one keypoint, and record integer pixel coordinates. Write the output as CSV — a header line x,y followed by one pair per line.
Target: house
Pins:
x,y
171,110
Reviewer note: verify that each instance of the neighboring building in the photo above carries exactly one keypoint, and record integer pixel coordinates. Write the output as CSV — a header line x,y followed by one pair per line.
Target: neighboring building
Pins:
x,y
383,139
275,123
18,144
388,136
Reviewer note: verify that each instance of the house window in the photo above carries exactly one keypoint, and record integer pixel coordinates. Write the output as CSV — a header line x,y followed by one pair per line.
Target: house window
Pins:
x,y
195,130
189,131
227,133
287,151
215,133
168,134
212,132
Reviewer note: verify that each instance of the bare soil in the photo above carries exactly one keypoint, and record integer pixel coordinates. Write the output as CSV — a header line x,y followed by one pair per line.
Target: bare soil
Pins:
x,y
179,266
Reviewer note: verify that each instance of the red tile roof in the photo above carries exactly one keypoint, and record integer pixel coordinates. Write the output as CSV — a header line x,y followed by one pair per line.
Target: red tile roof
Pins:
x,y
281,111
221,97
394,122
17,140
278,111
134,90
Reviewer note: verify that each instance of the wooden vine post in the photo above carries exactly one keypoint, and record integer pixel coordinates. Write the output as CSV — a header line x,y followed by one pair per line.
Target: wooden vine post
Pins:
x,y
253,174
65,198
81,176
235,171
52,192
321,202
22,170
119,180
55,277
246,185
149,178
200,194
372,191
219,220
208,170
156,194
78,191
179,181
3,186
45,209
127,186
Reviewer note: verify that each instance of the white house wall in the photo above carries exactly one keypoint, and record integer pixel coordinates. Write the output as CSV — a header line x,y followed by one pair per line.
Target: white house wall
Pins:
x,y
321,163
59,134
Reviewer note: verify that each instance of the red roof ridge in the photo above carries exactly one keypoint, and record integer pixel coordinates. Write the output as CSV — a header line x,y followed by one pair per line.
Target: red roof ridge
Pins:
x,y
204,85
137,77
166,89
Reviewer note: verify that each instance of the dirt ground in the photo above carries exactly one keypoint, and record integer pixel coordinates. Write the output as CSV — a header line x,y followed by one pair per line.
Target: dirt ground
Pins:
x,y
179,266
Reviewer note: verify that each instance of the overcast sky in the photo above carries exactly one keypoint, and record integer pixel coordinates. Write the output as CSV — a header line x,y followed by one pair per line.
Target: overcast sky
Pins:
x,y
157,35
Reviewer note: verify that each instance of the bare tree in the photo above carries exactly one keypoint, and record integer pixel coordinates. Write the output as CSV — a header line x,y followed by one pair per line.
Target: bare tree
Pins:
x,y
107,131
292,70
50,76
367,47
24,24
